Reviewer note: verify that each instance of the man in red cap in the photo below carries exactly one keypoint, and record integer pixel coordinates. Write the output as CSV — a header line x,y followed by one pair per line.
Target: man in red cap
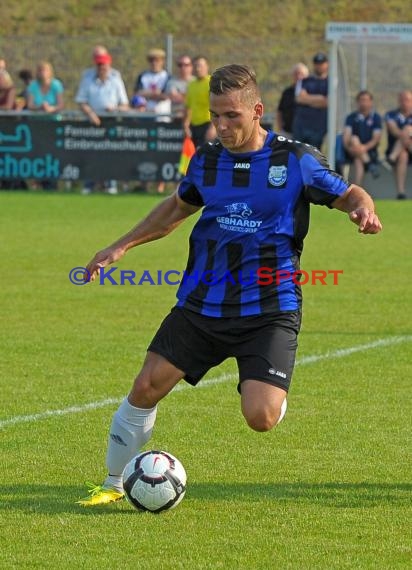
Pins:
x,y
98,51
101,91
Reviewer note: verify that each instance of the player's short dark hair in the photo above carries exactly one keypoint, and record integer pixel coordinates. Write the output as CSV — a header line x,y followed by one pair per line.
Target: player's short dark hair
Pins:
x,y
235,77
364,92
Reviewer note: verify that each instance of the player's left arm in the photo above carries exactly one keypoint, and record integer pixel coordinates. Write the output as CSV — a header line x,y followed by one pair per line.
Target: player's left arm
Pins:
x,y
361,209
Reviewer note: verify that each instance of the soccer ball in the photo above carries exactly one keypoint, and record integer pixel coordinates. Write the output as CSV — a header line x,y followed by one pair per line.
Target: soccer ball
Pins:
x,y
154,481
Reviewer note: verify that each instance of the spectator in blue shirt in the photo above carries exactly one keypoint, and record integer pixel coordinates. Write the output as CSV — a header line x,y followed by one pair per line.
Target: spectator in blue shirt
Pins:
x,y
399,151
361,137
45,92
310,120
45,95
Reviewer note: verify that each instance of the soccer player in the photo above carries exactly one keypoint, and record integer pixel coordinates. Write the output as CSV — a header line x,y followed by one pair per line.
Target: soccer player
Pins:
x,y
254,188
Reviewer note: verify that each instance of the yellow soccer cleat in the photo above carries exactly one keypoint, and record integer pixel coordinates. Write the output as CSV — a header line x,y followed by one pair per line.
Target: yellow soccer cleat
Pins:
x,y
99,495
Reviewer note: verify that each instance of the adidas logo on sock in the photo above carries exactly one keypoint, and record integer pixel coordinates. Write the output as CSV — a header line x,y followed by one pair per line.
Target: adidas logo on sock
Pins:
x,y
117,439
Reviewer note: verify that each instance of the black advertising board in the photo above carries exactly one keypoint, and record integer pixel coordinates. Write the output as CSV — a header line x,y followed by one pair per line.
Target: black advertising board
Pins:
x,y
126,148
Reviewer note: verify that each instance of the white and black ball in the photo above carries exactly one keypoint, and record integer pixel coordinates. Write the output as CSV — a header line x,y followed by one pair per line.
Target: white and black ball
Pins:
x,y
154,481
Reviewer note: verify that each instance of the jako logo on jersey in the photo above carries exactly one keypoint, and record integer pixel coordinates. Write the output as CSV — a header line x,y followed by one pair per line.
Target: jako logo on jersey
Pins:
x,y
237,219
277,175
242,165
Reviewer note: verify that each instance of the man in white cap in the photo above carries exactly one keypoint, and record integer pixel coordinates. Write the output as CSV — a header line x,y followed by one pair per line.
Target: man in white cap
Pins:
x,y
151,84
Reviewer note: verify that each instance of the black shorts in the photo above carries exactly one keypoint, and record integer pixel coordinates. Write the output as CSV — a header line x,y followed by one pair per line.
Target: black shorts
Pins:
x,y
264,345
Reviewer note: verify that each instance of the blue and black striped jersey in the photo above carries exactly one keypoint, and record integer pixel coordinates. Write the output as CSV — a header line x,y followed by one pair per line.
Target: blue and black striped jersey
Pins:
x,y
255,214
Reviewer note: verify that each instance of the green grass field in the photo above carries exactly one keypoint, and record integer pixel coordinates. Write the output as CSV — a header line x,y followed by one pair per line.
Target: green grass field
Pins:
x,y
328,489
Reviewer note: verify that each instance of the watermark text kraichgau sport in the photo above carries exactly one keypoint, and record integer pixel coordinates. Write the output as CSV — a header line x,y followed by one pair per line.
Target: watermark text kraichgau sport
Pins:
x,y
262,276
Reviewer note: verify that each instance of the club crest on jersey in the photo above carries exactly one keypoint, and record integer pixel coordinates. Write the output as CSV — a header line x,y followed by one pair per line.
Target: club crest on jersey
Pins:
x,y
277,175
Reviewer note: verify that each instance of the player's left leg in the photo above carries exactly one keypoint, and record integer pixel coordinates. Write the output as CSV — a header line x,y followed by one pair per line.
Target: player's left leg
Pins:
x,y
263,405
265,358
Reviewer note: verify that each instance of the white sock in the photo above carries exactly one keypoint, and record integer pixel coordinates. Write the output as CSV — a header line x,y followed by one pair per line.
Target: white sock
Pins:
x,y
283,409
131,428
114,482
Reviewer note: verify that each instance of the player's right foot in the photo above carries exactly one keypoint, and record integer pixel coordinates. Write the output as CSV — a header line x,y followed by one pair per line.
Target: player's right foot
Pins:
x,y
99,495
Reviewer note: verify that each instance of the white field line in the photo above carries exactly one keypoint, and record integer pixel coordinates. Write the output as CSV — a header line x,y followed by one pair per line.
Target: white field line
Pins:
x,y
389,341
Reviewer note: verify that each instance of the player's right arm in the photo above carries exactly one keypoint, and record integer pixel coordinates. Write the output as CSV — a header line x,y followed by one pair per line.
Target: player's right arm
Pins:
x,y
162,220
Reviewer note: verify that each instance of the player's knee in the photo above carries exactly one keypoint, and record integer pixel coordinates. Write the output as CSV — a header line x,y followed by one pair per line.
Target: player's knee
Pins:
x,y
144,394
262,420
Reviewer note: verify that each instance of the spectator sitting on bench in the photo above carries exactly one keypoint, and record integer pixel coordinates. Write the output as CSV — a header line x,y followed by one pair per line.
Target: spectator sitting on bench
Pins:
x,y
399,151
361,136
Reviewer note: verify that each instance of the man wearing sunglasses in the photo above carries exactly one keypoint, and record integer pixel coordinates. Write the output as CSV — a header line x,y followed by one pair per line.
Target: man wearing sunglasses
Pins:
x,y
177,85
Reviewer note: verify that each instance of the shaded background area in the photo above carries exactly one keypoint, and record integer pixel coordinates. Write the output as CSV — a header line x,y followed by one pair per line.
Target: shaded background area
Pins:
x,y
388,67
